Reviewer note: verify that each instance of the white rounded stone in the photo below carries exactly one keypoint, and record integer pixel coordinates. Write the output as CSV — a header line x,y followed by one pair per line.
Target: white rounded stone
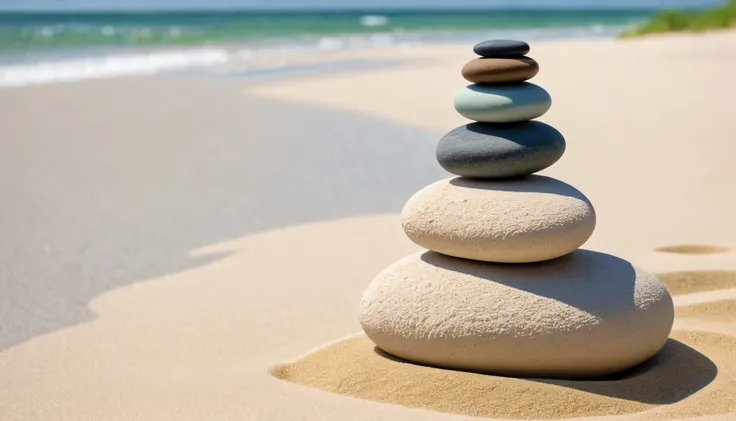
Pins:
x,y
507,221
585,314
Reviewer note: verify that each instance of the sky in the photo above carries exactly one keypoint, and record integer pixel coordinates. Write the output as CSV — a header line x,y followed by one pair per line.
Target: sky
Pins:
x,y
332,4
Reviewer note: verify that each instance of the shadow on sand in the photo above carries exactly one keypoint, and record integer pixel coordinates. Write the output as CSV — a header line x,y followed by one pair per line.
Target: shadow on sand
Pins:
x,y
674,373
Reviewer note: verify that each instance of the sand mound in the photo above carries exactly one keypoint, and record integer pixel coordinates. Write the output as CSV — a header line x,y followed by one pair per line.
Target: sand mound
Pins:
x,y
720,311
696,281
693,249
663,386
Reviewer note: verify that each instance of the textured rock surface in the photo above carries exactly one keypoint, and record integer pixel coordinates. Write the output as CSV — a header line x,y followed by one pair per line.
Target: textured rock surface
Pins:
x,y
501,48
500,70
585,314
516,221
500,150
502,103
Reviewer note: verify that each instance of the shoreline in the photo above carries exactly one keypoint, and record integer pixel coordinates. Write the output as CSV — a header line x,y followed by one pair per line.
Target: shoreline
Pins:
x,y
345,51
216,60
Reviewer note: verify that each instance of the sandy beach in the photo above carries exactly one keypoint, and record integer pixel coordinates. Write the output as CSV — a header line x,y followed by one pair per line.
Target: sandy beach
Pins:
x,y
191,248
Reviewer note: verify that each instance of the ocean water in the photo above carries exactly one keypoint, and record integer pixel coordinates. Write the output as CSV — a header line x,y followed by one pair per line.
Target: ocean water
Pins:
x,y
55,47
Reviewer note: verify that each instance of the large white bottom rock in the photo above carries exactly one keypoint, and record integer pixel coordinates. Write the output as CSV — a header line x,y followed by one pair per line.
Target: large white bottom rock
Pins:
x,y
584,314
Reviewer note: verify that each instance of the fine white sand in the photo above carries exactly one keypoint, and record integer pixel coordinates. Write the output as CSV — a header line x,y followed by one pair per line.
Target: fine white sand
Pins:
x,y
649,130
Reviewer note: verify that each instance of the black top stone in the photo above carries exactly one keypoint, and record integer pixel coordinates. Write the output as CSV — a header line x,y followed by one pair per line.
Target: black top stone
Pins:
x,y
498,48
485,150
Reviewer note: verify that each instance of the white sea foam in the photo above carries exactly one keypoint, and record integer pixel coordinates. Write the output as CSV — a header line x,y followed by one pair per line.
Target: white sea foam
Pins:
x,y
110,66
108,31
373,20
331,43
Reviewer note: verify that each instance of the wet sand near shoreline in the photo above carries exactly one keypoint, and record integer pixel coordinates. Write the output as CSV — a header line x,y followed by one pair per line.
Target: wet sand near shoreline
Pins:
x,y
109,182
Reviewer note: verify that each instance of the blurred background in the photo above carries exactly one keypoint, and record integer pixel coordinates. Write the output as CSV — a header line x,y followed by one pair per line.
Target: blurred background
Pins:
x,y
45,41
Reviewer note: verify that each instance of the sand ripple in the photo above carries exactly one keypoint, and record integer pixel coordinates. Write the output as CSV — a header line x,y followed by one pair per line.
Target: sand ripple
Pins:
x,y
693,249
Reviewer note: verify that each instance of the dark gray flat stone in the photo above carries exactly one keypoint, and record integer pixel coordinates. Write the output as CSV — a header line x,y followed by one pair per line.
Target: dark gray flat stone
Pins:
x,y
488,150
497,48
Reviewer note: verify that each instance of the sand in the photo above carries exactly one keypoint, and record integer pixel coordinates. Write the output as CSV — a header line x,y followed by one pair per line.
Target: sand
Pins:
x,y
357,368
721,312
648,124
693,249
697,281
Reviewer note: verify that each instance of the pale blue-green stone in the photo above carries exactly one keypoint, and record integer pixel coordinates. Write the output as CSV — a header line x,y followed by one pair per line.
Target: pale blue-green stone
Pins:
x,y
502,103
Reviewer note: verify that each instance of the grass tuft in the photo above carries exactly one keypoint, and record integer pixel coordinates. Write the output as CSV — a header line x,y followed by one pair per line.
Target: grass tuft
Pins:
x,y
679,21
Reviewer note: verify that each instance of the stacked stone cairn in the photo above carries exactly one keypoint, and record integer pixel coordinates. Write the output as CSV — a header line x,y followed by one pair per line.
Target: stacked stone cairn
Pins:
x,y
504,288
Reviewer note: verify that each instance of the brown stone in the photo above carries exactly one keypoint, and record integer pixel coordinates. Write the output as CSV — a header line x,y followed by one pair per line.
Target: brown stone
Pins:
x,y
500,70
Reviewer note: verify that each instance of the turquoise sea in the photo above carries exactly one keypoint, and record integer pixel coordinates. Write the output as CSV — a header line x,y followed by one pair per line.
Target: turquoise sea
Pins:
x,y
48,47
54,30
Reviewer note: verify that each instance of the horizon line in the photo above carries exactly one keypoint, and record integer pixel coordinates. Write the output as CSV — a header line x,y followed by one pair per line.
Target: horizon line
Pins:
x,y
349,9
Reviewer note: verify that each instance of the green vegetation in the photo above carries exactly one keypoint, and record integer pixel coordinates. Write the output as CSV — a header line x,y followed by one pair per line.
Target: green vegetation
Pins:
x,y
674,21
